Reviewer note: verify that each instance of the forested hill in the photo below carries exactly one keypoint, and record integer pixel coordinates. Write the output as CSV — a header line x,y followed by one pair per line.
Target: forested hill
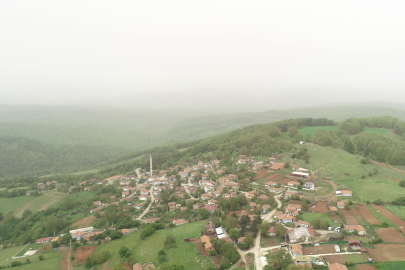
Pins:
x,y
42,140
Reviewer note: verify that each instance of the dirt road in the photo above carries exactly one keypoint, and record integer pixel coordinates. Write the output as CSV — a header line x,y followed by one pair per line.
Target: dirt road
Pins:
x,y
150,204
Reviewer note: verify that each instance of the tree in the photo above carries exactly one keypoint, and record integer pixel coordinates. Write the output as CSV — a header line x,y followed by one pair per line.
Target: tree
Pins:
x,y
349,146
233,204
167,266
123,251
55,244
115,235
234,233
72,258
264,227
146,231
203,213
170,241
41,257
162,256
280,259
292,131
402,183
244,224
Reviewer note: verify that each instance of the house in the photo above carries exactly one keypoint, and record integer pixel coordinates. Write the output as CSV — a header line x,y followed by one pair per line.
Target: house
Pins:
x,y
307,260
233,177
42,240
215,162
125,231
277,214
196,206
28,193
277,166
172,206
265,208
97,203
241,161
212,202
333,208
302,223
125,194
143,197
207,243
183,174
183,209
241,240
337,266
206,196
139,206
272,231
308,186
137,266
56,239
87,189
286,219
112,198
223,180
276,190
360,229
253,206
346,193
211,226
293,184
301,233
270,184
296,250
211,208
178,222
78,235
226,196
341,204
300,174
144,192
251,194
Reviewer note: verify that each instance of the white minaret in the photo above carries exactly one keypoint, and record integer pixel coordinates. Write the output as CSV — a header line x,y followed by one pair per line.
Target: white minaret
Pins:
x,y
150,166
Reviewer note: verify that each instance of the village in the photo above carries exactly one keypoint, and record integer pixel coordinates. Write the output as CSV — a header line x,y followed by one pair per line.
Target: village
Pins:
x,y
232,206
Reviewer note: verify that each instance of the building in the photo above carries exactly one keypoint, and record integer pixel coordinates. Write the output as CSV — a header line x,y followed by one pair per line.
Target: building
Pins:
x,y
301,233
207,243
308,186
300,174
347,193
341,204
286,218
360,229
42,240
78,235
137,266
296,250
178,222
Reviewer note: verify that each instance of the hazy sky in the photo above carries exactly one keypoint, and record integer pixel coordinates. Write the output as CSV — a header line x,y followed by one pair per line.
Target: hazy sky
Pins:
x,y
62,51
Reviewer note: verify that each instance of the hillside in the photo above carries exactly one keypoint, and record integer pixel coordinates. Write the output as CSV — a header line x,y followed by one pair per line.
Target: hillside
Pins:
x,y
62,139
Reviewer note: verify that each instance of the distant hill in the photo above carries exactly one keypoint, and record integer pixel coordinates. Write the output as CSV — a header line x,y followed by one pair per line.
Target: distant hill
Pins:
x,y
75,138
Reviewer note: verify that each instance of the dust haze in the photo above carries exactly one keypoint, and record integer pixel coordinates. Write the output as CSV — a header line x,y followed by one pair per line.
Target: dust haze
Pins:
x,y
207,55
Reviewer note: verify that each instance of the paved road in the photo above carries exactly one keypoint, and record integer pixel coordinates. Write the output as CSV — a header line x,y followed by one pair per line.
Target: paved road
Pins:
x,y
151,202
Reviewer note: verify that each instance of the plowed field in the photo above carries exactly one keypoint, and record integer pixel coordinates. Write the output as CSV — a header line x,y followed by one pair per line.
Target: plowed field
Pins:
x,y
349,217
390,235
366,214
391,216
83,252
387,252
319,207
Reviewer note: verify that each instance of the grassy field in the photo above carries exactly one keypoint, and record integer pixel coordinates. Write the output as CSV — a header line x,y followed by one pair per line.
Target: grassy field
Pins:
x,y
345,169
146,250
385,132
313,216
391,266
399,211
11,204
42,203
34,246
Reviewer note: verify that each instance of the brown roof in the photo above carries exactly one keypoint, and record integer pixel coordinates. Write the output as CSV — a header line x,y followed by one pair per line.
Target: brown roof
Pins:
x,y
205,239
137,266
296,248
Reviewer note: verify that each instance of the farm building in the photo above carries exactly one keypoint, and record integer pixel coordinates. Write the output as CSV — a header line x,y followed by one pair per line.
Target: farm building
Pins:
x,y
42,240
296,250
207,243
344,193
178,222
360,229
300,174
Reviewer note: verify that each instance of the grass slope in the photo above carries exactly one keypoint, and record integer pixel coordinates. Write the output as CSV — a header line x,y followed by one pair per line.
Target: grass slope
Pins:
x,y
147,250
41,203
313,216
11,204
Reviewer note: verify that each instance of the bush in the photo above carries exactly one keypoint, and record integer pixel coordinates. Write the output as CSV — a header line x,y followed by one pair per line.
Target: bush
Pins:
x,y
146,231
55,244
376,240
115,235
378,202
41,257
402,183
212,252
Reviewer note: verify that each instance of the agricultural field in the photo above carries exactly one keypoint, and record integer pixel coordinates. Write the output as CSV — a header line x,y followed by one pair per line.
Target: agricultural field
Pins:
x,y
11,204
350,218
146,250
390,235
319,207
41,203
391,265
355,258
321,249
387,252
313,216
393,218
397,210
366,214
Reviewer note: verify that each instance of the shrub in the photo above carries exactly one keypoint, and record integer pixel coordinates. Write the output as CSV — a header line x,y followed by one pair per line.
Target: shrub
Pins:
x,y
376,240
41,257
115,235
402,183
212,252
378,202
